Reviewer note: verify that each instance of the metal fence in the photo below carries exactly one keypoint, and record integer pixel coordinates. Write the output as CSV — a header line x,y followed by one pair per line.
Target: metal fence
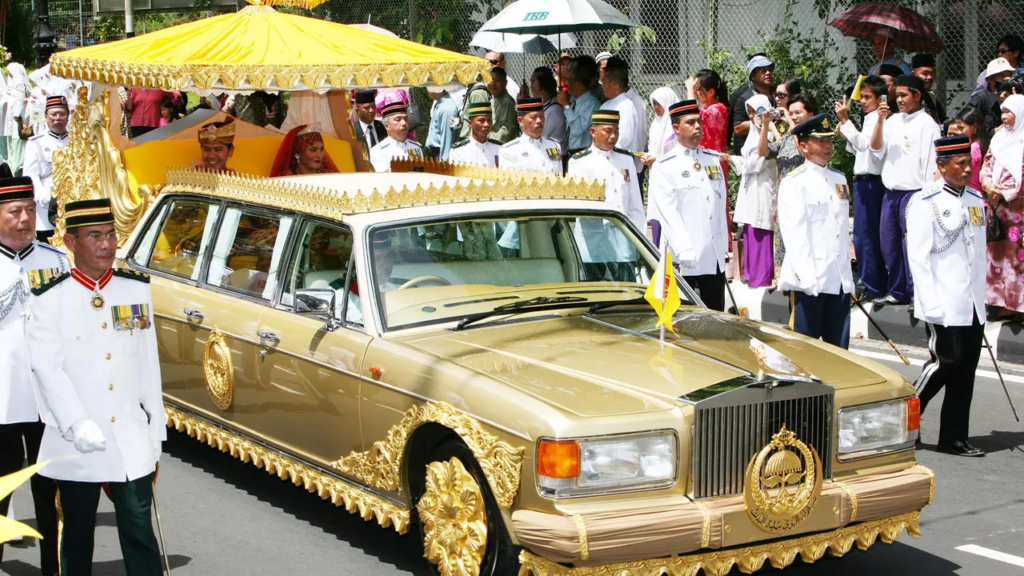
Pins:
x,y
680,36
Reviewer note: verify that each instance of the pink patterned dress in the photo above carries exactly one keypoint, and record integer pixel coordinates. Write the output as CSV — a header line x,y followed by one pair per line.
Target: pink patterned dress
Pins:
x,y
1005,277
714,119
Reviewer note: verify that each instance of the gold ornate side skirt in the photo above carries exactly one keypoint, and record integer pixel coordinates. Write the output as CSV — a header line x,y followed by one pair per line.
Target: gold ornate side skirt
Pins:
x,y
749,559
355,500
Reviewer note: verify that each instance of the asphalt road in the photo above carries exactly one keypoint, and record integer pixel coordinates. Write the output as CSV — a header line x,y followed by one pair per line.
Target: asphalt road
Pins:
x,y
224,517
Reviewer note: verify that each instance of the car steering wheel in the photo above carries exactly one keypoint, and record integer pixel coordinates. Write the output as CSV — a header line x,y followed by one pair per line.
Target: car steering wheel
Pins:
x,y
422,279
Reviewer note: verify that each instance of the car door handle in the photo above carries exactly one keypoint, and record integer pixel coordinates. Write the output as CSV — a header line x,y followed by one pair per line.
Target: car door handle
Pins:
x,y
268,336
194,314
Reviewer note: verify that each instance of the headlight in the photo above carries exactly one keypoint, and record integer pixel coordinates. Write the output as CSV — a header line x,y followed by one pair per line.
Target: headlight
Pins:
x,y
870,429
601,464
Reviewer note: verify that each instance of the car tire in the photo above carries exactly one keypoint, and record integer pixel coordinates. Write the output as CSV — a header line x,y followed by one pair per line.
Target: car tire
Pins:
x,y
500,556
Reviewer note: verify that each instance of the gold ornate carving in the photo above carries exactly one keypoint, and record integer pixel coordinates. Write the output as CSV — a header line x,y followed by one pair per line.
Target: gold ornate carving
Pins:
x,y
355,500
334,205
454,518
581,530
475,172
931,485
750,559
90,167
771,504
273,77
853,500
705,528
219,371
380,466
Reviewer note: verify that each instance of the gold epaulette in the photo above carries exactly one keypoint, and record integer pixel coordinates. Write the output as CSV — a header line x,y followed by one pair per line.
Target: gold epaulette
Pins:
x,y
43,279
132,275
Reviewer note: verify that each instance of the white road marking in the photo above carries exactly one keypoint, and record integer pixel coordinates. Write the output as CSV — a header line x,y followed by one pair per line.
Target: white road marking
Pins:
x,y
919,362
992,554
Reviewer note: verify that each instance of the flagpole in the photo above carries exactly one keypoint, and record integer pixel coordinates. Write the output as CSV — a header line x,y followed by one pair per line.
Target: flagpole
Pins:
x,y
663,277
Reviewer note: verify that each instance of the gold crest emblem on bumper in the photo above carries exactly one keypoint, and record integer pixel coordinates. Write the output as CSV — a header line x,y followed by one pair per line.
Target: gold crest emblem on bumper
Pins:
x,y
782,483
219,372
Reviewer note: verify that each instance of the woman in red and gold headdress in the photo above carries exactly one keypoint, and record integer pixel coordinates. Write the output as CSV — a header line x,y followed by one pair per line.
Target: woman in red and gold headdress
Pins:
x,y
302,152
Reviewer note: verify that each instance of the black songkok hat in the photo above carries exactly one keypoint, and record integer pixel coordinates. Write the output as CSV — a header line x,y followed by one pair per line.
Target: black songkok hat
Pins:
x,y
366,96
890,70
922,60
394,108
88,213
683,108
12,189
525,105
912,82
816,127
952,146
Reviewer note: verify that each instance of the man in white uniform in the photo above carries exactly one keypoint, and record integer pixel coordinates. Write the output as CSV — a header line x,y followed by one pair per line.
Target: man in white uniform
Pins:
x,y
531,151
601,244
814,218
687,197
94,354
39,161
903,143
477,150
20,428
397,144
946,250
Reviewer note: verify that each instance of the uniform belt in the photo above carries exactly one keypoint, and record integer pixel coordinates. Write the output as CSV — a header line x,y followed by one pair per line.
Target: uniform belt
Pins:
x,y
866,177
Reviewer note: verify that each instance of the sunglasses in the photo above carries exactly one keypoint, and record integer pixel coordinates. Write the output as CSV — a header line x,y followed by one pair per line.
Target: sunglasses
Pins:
x,y
781,95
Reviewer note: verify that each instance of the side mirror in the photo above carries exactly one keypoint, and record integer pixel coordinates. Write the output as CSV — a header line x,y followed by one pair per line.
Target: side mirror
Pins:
x,y
318,302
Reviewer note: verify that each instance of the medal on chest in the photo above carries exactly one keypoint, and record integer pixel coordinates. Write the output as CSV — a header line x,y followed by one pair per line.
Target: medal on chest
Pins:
x,y
96,300
977,216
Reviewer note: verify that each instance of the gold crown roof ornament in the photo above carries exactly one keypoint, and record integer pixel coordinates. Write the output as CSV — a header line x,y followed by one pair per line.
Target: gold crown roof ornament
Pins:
x,y
212,132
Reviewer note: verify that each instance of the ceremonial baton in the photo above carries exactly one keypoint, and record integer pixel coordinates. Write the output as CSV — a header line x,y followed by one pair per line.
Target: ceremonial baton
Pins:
x,y
735,304
1000,374
880,331
160,531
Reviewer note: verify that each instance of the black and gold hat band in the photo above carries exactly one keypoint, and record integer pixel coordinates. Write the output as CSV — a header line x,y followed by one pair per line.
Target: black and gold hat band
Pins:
x,y
88,213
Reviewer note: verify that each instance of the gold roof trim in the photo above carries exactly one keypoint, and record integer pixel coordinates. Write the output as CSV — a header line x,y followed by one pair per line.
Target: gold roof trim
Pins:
x,y
334,205
268,77
476,172
750,559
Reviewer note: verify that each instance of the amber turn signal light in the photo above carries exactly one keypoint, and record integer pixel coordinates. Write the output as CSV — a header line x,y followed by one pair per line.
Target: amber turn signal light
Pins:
x,y
558,459
913,414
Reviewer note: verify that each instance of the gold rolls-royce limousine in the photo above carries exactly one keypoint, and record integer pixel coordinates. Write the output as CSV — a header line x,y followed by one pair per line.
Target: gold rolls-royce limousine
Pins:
x,y
474,360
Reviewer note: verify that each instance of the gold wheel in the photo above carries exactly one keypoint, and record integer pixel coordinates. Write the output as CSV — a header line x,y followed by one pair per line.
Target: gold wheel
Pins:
x,y
454,517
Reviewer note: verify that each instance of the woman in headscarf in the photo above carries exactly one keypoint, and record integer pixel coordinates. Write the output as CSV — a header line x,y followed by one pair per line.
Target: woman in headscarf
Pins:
x,y
661,138
17,126
1001,180
755,204
302,152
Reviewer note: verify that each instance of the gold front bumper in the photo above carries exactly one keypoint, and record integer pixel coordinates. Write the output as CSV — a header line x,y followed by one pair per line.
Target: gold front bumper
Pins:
x,y
855,510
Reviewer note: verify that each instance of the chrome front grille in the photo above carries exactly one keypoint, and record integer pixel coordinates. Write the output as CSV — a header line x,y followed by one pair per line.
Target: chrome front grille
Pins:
x,y
731,427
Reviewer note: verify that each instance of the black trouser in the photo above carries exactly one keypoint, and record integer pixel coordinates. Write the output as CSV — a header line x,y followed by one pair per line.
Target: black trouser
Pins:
x,y
132,502
711,288
16,442
955,351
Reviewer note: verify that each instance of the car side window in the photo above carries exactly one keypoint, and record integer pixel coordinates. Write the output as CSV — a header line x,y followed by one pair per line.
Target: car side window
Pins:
x,y
248,252
178,237
320,261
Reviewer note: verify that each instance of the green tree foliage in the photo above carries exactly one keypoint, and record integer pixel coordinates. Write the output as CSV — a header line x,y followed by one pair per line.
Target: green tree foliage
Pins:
x,y
19,33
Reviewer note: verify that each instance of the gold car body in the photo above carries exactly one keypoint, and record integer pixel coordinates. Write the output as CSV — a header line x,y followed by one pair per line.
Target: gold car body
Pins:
x,y
347,412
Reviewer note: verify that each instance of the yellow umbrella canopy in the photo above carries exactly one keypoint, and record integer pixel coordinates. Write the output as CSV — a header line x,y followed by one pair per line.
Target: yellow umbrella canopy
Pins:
x,y
259,48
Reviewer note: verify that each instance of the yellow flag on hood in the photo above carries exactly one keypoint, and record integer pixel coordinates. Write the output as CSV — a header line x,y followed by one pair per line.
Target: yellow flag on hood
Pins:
x,y
662,292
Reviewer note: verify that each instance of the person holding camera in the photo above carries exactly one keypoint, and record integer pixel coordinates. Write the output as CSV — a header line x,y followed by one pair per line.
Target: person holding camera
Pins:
x,y
755,204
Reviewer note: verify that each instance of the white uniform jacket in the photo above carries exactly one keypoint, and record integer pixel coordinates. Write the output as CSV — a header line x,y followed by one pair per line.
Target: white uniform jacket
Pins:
x,y
947,255
18,400
598,239
388,149
102,365
39,167
473,153
687,195
525,153
814,219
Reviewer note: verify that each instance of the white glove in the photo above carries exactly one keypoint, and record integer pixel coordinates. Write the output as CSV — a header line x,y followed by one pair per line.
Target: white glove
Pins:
x,y
87,436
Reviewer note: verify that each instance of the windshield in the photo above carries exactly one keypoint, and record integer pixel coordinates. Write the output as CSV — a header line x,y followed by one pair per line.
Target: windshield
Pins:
x,y
444,270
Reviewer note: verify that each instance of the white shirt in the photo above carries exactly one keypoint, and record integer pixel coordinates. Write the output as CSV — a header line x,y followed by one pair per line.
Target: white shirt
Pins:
x,y
947,254
629,132
908,151
87,367
687,195
814,219
18,402
388,149
640,105
858,143
532,155
598,239
473,153
39,167
755,203
369,134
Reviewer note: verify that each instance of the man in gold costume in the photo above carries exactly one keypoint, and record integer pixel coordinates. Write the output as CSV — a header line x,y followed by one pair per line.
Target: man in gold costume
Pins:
x,y
217,142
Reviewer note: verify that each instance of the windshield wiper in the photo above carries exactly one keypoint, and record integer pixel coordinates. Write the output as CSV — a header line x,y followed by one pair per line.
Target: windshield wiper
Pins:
x,y
603,305
538,303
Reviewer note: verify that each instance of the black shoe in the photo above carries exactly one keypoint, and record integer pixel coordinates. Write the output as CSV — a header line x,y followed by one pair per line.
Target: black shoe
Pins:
x,y
960,448
917,443
887,300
